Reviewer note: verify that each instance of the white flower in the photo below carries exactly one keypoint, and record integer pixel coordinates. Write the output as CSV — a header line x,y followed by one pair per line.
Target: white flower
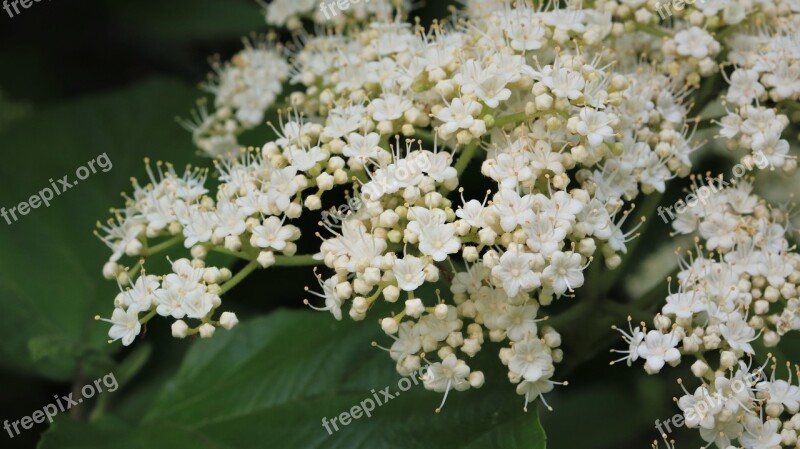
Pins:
x,y
332,301
515,271
230,220
565,83
458,115
521,321
451,373
634,340
565,272
744,87
363,146
409,272
272,234
304,160
197,304
738,333
772,147
760,435
140,295
683,305
696,42
169,302
389,107
407,342
594,125
513,209
125,324
658,349
700,408
439,240
783,393
530,360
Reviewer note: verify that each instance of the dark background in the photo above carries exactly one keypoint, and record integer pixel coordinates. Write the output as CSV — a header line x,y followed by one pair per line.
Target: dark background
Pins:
x,y
93,74
57,53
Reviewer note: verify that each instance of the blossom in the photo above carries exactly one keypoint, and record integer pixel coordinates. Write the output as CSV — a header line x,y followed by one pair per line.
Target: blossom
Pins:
x,y
515,271
565,272
659,349
125,324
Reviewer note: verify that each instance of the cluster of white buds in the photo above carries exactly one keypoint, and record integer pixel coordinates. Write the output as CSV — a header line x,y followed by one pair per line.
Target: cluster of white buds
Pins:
x,y
746,289
737,405
759,129
575,113
244,89
191,291
567,142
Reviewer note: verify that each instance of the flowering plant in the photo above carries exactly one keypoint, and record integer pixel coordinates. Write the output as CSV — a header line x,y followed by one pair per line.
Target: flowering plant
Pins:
x,y
490,177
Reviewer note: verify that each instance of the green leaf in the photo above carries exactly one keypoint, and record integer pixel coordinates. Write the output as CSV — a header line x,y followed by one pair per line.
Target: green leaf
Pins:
x,y
271,381
51,284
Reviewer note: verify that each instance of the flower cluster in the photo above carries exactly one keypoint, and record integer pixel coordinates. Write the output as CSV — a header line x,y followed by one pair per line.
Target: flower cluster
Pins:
x,y
746,290
244,89
573,120
739,405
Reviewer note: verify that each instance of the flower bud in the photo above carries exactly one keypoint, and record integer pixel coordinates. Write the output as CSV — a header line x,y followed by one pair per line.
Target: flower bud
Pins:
x,y
414,307
470,253
199,252
228,320
476,379
389,325
312,202
266,259
343,290
111,270
440,311
727,360
699,368
179,329
391,293
771,339
206,330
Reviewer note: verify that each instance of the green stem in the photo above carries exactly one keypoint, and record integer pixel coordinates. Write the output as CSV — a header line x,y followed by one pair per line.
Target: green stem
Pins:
x,y
239,277
135,270
725,33
793,105
280,260
227,252
466,156
499,122
297,261
653,31
162,246
148,317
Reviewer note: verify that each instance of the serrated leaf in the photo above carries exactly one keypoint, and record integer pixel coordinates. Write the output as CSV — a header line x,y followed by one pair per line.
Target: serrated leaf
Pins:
x,y
50,263
271,381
